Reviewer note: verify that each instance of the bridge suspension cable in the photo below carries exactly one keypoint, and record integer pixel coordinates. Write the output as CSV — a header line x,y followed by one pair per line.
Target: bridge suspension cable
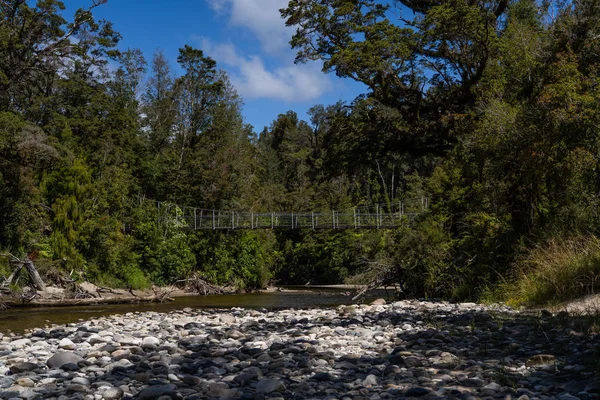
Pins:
x,y
364,217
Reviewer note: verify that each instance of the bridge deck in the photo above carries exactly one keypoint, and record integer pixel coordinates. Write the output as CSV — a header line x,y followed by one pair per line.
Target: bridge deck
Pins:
x,y
213,219
374,217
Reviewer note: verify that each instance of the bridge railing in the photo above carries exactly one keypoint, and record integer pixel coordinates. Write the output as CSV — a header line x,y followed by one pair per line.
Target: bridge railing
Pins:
x,y
376,217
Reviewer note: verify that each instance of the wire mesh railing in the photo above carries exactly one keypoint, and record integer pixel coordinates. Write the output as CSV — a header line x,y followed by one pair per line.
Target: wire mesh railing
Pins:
x,y
365,217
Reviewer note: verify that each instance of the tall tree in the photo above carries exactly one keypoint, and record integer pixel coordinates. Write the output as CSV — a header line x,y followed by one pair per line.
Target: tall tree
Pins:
x,y
197,91
37,42
159,112
424,67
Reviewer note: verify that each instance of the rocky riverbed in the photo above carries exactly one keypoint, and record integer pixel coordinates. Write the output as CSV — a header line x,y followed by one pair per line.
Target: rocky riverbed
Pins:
x,y
407,349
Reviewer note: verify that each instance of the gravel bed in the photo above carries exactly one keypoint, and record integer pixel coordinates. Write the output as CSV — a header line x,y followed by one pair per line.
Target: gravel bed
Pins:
x,y
406,349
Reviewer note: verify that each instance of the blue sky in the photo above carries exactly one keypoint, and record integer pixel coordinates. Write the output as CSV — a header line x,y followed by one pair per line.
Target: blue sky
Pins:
x,y
247,38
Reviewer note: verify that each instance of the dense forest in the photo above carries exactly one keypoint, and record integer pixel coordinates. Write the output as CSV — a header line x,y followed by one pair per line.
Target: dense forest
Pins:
x,y
490,109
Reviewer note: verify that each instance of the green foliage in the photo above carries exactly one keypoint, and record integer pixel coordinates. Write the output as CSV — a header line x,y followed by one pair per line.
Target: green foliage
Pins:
x,y
114,261
323,257
164,248
240,259
555,271
487,109
69,190
421,260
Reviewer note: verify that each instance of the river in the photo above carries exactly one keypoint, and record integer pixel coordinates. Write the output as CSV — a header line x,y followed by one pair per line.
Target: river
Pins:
x,y
18,320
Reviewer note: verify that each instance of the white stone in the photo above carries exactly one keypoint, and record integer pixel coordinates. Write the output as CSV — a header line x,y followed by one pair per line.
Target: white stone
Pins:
x,y
20,343
66,344
150,342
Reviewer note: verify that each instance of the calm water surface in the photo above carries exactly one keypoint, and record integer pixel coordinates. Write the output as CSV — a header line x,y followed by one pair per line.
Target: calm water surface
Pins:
x,y
19,319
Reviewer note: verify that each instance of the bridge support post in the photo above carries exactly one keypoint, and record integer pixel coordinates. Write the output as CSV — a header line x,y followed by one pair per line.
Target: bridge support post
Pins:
x,y
401,212
312,217
272,220
251,220
333,218
214,225
377,216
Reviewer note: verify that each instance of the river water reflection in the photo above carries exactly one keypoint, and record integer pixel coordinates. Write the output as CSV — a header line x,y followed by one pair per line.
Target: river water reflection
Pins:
x,y
18,319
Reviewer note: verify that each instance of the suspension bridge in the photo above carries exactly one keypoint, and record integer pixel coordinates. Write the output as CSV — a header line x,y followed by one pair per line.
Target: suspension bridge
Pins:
x,y
366,217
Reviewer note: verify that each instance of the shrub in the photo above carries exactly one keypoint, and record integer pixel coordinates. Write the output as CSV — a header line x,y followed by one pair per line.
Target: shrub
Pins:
x,y
242,259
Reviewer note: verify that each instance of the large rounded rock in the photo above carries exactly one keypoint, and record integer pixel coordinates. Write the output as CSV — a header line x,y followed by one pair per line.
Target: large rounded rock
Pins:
x,y
20,343
113,393
371,380
322,376
66,344
23,367
417,392
227,319
270,386
396,359
25,382
62,358
150,342
154,392
234,334
541,360
447,360
127,340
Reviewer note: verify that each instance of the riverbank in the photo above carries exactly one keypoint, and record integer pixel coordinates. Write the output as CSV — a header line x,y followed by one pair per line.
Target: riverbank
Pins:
x,y
88,294
404,349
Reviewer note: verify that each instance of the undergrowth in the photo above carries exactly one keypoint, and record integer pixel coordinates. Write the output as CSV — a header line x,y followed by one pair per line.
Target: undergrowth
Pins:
x,y
556,271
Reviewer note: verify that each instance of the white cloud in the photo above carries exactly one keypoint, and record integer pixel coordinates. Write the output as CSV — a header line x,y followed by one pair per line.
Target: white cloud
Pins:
x,y
216,5
261,17
253,79
272,73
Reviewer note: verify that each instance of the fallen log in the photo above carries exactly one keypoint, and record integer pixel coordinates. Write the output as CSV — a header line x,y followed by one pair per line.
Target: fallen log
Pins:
x,y
196,284
34,276
85,302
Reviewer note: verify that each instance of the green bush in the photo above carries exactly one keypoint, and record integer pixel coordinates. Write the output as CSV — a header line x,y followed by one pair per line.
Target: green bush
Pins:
x,y
242,259
324,257
164,248
112,260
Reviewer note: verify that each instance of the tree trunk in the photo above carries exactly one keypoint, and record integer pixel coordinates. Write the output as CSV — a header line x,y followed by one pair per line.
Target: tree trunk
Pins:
x,y
37,281
34,275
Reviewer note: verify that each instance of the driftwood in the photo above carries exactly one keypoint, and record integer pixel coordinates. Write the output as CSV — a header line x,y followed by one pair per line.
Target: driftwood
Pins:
x,y
198,285
162,294
36,280
84,294
381,274
371,286
87,302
